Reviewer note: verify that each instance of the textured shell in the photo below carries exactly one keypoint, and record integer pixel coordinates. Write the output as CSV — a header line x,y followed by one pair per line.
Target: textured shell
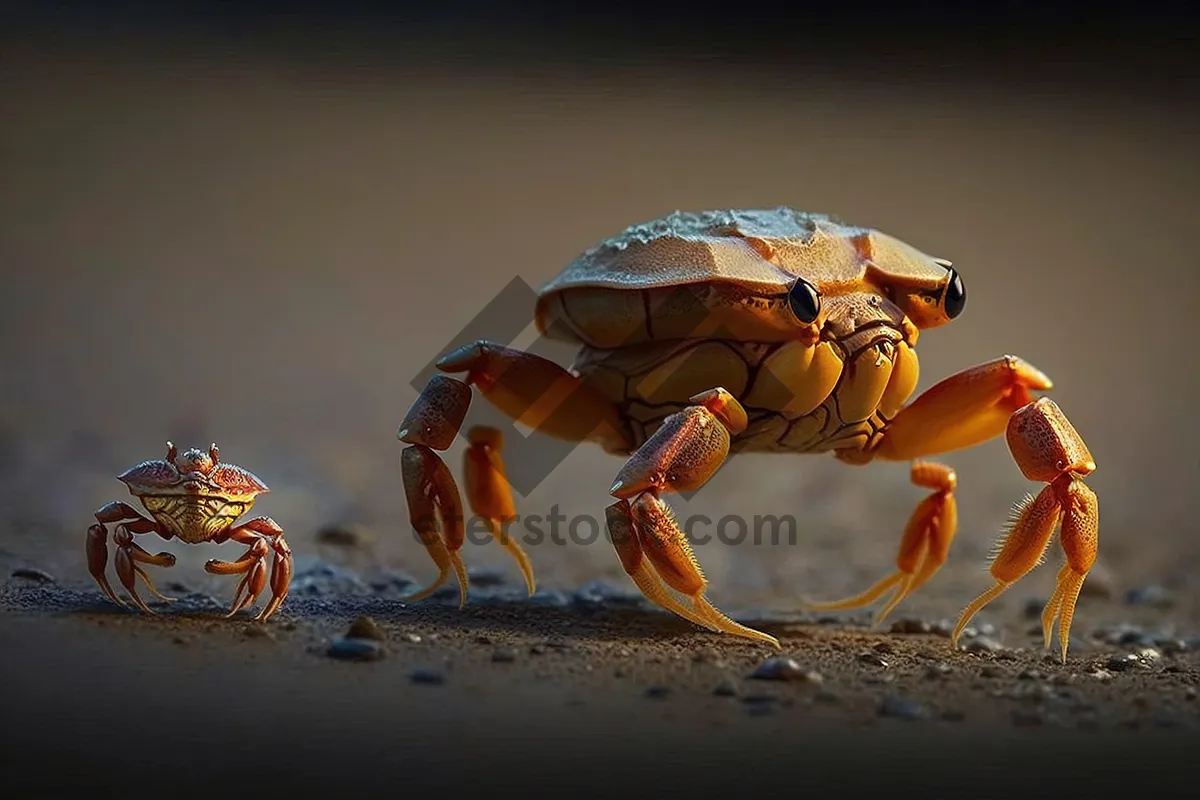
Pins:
x,y
685,247
159,476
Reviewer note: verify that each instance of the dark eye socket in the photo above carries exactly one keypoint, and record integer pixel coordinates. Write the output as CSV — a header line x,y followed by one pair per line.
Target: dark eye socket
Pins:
x,y
805,301
955,299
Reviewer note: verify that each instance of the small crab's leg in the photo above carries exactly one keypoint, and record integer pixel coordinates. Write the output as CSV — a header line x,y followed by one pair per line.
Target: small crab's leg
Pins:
x,y
263,535
966,409
529,389
490,495
1047,447
923,548
128,553
682,454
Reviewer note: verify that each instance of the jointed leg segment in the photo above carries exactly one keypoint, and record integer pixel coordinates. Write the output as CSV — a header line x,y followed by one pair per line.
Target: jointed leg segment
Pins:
x,y
966,409
683,454
129,554
529,389
263,535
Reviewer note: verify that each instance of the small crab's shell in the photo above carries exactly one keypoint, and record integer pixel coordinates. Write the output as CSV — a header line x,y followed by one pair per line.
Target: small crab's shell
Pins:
x,y
737,265
161,478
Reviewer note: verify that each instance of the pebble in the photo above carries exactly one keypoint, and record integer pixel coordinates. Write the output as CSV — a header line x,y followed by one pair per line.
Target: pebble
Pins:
x,y
726,688
503,656
785,669
872,658
355,650
982,644
31,574
901,707
365,628
426,676
1121,663
412,638
658,691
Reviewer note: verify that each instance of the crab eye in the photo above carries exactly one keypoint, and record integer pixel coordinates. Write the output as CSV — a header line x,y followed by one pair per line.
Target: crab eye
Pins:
x,y
805,301
955,298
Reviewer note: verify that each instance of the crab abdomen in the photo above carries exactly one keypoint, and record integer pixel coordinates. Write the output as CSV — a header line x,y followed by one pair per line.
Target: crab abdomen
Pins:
x,y
195,518
798,398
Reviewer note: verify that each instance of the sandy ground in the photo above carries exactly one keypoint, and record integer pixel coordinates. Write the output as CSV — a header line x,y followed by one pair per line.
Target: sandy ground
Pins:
x,y
266,256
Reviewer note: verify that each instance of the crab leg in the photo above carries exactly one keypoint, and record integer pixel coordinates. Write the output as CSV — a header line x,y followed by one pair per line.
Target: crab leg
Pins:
x,y
490,494
963,410
263,535
529,389
128,554
685,451
1047,448
923,548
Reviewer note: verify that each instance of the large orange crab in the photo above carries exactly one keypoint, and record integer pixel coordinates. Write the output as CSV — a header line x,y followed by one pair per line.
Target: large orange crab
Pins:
x,y
753,330
195,498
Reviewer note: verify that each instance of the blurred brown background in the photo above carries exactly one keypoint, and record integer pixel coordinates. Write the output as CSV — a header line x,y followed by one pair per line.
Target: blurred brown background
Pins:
x,y
261,249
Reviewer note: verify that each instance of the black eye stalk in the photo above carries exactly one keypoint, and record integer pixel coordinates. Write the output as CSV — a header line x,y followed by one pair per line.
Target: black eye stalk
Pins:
x,y
805,301
955,298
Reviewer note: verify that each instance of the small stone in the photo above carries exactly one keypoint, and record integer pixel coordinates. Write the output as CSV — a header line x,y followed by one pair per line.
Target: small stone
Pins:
x,y
365,628
1100,674
1121,663
883,647
1190,693
910,625
785,669
900,707
31,574
872,659
658,691
503,656
426,676
983,644
726,688
355,650
1153,596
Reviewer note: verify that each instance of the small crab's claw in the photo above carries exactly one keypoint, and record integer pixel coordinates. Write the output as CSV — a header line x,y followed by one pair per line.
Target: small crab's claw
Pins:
x,y
1047,448
129,554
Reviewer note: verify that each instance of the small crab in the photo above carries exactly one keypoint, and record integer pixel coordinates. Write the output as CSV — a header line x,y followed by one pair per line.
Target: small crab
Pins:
x,y
753,330
195,498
